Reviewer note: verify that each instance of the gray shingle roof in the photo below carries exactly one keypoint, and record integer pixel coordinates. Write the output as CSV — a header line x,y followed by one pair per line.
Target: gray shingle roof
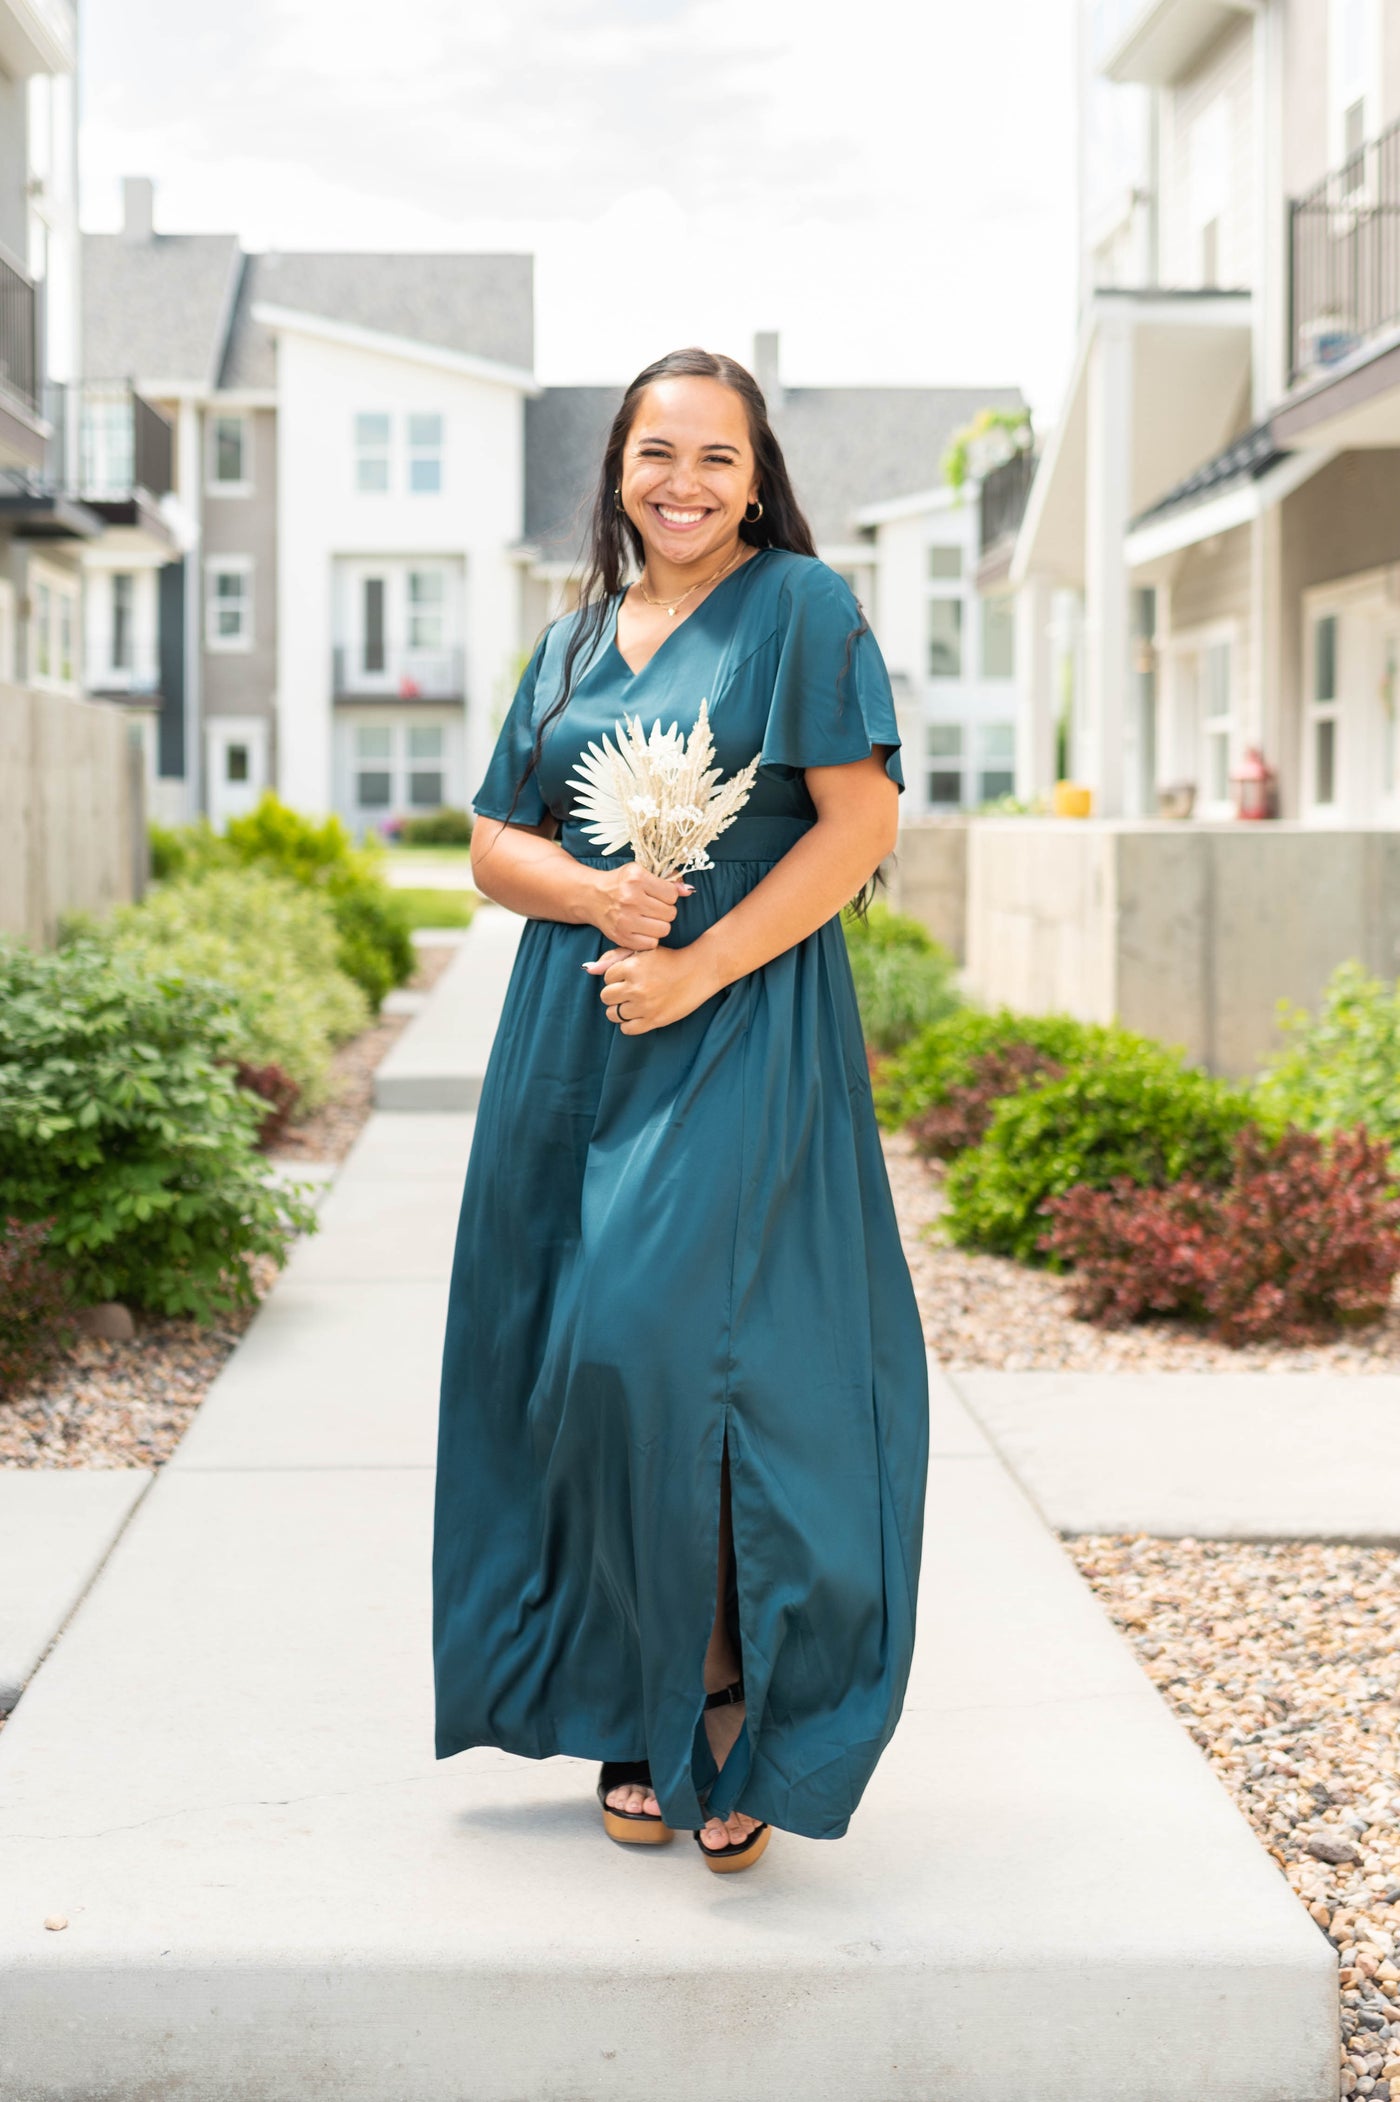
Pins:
x,y
156,310
845,447
480,304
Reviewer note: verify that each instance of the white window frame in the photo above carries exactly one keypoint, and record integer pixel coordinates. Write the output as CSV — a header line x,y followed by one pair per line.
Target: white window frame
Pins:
x,y
416,451
362,450
1185,653
213,486
216,566
1347,85
49,592
954,588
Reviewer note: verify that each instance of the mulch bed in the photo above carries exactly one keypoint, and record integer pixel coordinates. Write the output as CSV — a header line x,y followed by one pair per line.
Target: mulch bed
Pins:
x,y
988,1313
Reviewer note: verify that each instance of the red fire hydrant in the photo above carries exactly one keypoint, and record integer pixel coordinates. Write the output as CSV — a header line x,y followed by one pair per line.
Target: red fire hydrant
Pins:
x,y
1255,785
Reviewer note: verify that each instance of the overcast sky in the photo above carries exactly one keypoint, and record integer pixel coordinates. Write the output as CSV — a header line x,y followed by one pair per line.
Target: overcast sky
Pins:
x,y
889,183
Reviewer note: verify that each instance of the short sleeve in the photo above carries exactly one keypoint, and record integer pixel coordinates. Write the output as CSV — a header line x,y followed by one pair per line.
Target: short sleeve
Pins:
x,y
511,756
832,700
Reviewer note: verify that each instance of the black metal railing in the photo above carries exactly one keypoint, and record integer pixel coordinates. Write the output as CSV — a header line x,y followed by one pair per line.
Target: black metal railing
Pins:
x,y
19,336
1344,256
107,442
397,672
1005,493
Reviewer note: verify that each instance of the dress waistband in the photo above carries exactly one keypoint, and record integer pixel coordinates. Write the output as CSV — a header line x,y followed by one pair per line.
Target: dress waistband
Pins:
x,y
747,839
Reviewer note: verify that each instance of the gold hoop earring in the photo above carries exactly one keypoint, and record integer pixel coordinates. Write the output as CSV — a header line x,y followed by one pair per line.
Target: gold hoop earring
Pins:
x,y
617,498
757,514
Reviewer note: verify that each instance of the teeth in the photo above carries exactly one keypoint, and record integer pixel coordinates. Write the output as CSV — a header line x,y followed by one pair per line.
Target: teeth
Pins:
x,y
680,517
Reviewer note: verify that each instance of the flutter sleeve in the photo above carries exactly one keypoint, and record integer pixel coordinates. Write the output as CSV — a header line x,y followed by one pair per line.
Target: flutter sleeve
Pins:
x,y
832,701
513,748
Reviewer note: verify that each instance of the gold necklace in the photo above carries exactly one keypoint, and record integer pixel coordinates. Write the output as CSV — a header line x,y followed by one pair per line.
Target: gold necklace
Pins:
x,y
671,604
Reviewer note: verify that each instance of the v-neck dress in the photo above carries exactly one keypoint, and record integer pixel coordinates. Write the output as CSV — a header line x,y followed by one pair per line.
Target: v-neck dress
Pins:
x,y
675,1240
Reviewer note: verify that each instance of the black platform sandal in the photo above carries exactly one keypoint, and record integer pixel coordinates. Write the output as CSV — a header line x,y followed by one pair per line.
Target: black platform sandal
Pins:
x,y
740,1853
634,1828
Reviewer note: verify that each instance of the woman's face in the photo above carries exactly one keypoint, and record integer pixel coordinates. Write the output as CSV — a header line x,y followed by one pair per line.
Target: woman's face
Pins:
x,y
688,470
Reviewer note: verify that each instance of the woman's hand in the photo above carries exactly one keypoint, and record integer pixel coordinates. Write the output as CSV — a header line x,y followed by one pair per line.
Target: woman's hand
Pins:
x,y
635,909
655,988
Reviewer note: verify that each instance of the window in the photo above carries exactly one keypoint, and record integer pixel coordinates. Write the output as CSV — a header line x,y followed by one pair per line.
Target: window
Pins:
x,y
945,564
373,611
945,638
371,453
1324,711
1354,64
235,762
1210,176
944,741
996,753
427,594
107,442
43,624
228,603
425,785
123,597
53,631
998,637
1215,690
228,453
425,454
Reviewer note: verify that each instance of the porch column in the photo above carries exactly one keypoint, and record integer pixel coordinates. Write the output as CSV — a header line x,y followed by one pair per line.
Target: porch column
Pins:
x,y
1108,464
1260,718
1035,689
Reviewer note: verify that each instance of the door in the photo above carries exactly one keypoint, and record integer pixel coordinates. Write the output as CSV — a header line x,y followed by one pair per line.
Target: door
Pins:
x,y
237,766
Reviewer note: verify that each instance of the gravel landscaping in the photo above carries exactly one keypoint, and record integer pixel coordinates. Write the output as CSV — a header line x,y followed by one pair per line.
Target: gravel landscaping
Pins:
x,y
111,1404
988,1313
1283,1663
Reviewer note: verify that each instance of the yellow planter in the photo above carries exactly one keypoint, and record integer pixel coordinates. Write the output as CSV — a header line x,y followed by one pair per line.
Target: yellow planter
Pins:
x,y
1071,800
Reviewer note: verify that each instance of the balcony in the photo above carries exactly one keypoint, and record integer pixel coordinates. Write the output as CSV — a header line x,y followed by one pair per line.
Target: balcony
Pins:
x,y
21,428
374,671
107,464
135,678
1005,494
1344,258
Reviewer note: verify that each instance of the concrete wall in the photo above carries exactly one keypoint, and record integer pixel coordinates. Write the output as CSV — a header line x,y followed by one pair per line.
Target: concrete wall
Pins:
x,y
927,877
72,826
1190,933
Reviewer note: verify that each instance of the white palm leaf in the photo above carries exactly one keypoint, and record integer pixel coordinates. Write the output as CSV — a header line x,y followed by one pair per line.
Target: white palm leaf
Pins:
x,y
658,794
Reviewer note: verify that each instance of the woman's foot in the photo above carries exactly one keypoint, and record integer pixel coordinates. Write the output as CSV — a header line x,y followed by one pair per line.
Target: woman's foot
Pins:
x,y
723,1727
725,1832
634,1796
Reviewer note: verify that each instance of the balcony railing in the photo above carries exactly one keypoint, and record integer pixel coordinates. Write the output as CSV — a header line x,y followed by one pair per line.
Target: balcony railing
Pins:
x,y
1344,250
19,337
108,442
137,675
1005,493
384,672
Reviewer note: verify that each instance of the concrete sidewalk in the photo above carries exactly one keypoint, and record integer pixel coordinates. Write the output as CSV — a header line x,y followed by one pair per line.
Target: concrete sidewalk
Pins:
x,y
1214,1455
222,1778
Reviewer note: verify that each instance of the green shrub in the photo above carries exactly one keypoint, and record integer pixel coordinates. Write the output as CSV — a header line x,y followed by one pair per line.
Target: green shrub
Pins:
x,y
903,977
121,1122
437,828
375,937
1142,1113
276,945
1341,1067
945,1059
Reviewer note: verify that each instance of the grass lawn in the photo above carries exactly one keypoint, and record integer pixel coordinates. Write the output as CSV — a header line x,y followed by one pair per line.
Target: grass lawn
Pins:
x,y
426,860
438,908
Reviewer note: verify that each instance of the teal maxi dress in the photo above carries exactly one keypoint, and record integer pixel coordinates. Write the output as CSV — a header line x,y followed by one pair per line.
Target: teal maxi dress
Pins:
x,y
675,1239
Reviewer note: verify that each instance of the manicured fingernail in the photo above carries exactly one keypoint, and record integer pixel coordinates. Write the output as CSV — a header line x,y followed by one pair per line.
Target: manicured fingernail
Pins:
x,y
688,889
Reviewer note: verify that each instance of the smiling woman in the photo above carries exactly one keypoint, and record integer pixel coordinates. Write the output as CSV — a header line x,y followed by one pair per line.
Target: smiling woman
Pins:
x,y
684,1410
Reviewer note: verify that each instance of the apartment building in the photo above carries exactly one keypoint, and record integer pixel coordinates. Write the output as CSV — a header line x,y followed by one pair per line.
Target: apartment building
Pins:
x,y
1219,504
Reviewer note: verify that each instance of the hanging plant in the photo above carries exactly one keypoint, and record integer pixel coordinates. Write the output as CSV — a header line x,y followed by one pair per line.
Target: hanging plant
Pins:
x,y
991,437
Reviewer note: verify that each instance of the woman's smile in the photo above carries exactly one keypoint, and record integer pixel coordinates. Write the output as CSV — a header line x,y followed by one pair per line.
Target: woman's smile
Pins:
x,y
678,518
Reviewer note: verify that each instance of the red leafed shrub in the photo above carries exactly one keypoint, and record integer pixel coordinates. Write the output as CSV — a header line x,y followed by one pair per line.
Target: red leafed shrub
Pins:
x,y
1304,1236
35,1302
961,1118
278,1090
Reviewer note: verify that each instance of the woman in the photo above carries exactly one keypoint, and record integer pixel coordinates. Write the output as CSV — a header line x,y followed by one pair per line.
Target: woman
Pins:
x,y
683,1428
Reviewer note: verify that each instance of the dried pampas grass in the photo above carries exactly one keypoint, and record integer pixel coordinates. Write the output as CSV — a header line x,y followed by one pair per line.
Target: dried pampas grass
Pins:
x,y
658,795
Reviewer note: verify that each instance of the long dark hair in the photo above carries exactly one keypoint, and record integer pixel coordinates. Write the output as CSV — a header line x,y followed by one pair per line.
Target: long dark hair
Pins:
x,y
613,543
